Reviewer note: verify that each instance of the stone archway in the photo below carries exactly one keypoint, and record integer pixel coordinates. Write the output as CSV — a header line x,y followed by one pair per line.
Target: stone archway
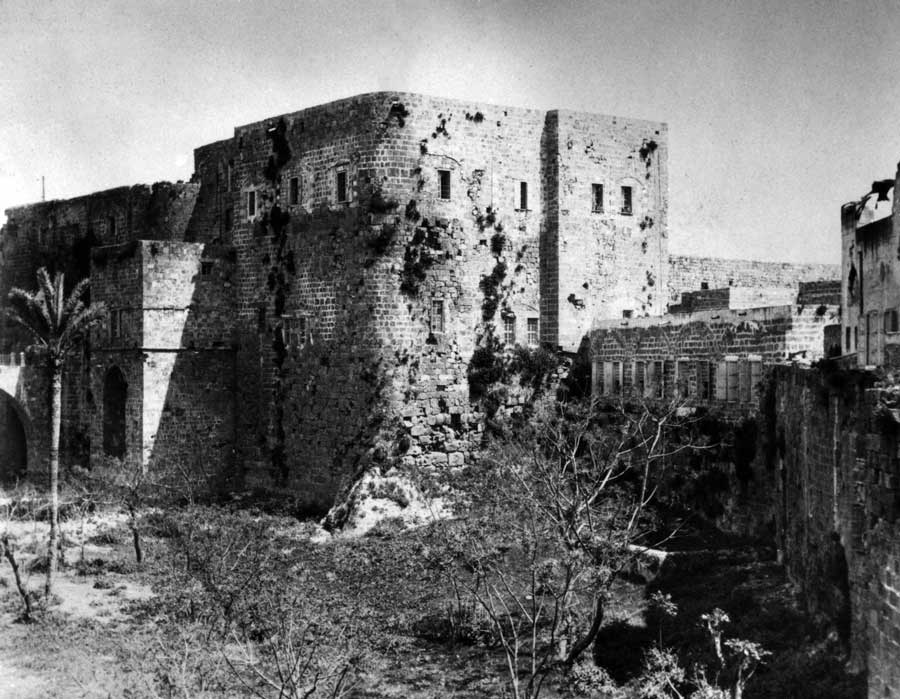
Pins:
x,y
115,395
13,439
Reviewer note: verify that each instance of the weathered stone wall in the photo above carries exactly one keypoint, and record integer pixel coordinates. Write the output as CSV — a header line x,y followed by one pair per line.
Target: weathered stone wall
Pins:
x,y
834,466
688,273
365,286
171,334
611,261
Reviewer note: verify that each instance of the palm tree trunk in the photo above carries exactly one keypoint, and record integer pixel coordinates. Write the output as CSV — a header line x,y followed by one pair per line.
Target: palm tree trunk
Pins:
x,y
55,420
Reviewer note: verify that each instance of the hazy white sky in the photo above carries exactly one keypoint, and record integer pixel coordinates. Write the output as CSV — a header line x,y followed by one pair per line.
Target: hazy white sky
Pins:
x,y
779,111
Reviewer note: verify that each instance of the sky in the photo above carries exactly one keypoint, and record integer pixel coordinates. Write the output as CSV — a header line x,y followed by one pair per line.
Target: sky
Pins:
x,y
779,111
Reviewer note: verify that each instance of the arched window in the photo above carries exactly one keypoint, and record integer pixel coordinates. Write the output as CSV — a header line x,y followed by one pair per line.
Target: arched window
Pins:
x,y
115,394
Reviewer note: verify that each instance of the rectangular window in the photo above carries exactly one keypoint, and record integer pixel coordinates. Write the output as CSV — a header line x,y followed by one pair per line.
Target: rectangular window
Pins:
x,y
732,381
597,198
523,196
756,378
745,383
437,317
532,330
341,186
509,330
111,228
640,378
251,204
847,341
444,183
229,220
616,378
294,191
206,268
702,369
626,201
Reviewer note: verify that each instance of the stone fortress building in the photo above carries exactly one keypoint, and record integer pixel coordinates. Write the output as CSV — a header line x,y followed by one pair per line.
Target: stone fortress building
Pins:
x,y
317,299
311,302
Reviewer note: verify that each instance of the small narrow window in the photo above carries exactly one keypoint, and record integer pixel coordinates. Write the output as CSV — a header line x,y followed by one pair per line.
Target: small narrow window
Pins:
x,y
847,339
251,204
856,337
111,227
230,176
437,317
532,329
523,196
627,313
294,191
229,220
342,186
509,330
444,182
597,198
626,201
206,268
890,321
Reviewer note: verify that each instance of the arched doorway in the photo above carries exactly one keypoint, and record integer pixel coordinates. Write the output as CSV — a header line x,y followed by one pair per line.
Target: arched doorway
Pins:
x,y
115,393
13,440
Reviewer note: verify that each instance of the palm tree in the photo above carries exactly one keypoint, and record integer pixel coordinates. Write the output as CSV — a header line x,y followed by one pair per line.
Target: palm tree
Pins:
x,y
58,326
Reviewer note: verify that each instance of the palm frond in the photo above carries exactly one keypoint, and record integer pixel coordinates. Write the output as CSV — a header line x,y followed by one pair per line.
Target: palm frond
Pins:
x,y
47,294
59,298
76,296
79,325
39,337
29,307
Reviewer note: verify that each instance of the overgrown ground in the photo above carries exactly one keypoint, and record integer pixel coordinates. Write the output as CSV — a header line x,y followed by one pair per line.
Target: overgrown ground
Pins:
x,y
219,582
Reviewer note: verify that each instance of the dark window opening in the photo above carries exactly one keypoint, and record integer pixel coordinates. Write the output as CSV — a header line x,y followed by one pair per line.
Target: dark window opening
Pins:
x,y
704,286
627,313
115,395
111,227
294,191
890,321
206,268
626,201
229,219
444,183
342,186
251,204
523,196
597,198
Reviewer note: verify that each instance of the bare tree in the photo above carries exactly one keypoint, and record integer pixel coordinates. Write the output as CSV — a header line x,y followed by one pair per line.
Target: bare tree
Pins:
x,y
558,510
